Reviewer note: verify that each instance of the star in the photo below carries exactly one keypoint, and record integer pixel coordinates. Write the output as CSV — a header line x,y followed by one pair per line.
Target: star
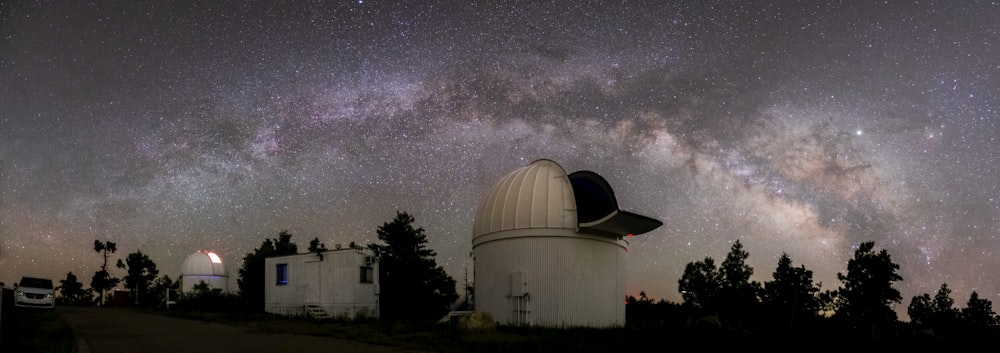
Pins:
x,y
174,127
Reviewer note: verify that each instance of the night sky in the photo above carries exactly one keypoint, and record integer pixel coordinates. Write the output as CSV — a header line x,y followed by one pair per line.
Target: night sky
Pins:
x,y
175,126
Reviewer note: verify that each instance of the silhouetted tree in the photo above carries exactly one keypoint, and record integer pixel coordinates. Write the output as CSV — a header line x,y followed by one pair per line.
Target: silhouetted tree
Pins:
x,y
945,314
159,288
630,299
921,310
739,294
642,312
413,286
643,298
791,293
972,328
251,279
102,280
935,313
72,293
979,316
700,286
864,299
316,246
827,301
141,273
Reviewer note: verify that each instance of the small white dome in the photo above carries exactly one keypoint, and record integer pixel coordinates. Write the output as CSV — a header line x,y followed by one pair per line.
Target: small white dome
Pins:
x,y
203,263
538,195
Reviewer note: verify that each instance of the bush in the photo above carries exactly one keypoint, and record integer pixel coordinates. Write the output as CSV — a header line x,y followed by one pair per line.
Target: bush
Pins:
x,y
206,299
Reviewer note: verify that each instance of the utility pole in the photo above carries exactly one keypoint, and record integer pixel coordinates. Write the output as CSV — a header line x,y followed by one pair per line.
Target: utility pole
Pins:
x,y
468,301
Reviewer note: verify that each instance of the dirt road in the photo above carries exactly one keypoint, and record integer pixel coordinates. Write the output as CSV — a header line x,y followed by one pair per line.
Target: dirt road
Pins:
x,y
108,330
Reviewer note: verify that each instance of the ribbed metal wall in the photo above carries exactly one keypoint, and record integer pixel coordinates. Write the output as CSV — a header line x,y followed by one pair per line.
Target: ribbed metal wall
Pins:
x,y
527,224
573,280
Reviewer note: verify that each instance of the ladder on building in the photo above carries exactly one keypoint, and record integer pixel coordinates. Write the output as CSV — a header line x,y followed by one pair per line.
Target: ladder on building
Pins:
x,y
316,312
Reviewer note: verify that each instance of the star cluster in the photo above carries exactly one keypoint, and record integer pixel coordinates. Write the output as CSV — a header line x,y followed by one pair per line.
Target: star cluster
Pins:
x,y
803,128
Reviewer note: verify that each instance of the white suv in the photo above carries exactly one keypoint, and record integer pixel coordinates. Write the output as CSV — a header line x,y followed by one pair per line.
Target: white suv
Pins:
x,y
34,292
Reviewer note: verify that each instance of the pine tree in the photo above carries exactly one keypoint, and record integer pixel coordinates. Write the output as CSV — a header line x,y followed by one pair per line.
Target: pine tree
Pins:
x,y
413,286
921,310
791,295
979,316
700,286
867,293
71,291
141,273
251,279
739,293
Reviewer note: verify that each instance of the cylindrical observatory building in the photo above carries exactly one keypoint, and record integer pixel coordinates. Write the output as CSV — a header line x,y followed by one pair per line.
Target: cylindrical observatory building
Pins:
x,y
203,266
549,249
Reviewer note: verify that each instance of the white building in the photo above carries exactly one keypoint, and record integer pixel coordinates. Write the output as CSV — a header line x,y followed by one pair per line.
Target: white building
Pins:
x,y
549,249
337,283
204,266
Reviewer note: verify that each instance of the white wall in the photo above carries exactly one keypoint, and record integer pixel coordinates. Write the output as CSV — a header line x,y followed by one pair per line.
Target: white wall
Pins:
x,y
573,280
335,285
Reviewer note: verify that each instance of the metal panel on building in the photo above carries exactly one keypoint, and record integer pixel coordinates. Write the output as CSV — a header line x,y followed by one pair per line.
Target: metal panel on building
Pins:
x,y
534,266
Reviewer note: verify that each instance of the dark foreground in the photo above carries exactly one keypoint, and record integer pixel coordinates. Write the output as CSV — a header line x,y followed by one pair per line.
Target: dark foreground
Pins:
x,y
103,330
111,330
34,330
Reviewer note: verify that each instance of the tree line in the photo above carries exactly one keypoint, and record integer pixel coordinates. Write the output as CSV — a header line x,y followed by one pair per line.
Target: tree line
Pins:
x,y
413,285
140,279
790,304
720,298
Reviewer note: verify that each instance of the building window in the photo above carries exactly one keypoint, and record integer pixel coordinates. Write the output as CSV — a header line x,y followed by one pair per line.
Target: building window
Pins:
x,y
282,271
367,274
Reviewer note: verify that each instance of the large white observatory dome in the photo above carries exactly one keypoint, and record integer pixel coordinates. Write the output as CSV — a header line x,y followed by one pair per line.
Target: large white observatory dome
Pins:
x,y
549,249
204,266
536,196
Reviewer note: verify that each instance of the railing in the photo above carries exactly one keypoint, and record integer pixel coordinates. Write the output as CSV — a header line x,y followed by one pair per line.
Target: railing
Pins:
x,y
316,312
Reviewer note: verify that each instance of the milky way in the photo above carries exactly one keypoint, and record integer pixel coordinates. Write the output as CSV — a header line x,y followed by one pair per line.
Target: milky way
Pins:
x,y
803,128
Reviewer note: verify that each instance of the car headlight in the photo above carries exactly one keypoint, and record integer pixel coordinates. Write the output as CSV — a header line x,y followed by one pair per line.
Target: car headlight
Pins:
x,y
19,293
48,295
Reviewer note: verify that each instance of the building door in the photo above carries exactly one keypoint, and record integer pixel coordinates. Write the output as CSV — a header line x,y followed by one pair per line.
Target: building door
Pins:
x,y
313,283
